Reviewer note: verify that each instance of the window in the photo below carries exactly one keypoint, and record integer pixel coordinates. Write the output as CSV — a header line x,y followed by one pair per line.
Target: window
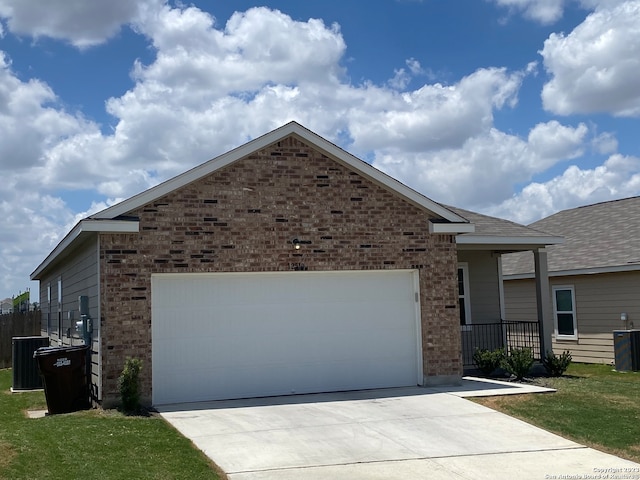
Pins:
x,y
463,294
60,310
48,309
564,312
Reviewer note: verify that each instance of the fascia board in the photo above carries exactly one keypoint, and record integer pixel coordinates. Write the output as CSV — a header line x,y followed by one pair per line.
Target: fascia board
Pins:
x,y
438,227
307,136
577,271
85,226
499,240
110,226
377,176
194,174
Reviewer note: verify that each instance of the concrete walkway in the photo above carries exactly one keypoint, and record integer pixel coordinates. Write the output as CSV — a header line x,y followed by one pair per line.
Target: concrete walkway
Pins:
x,y
399,433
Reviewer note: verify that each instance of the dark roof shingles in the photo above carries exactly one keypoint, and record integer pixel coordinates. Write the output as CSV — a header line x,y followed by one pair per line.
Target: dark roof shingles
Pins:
x,y
595,236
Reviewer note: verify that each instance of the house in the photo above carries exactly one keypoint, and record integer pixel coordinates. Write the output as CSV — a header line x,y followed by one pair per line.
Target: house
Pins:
x,y
284,266
6,306
594,277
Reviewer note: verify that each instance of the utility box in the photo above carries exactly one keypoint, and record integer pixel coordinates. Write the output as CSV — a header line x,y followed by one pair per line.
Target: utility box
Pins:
x,y
25,367
626,346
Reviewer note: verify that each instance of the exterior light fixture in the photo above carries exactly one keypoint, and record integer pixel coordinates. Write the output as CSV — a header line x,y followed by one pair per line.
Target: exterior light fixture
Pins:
x,y
298,243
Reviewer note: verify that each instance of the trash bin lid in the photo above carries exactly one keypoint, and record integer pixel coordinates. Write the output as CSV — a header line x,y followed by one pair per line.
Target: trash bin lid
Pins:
x,y
42,351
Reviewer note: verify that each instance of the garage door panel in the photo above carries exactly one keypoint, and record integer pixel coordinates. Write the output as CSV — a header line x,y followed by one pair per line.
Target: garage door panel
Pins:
x,y
219,336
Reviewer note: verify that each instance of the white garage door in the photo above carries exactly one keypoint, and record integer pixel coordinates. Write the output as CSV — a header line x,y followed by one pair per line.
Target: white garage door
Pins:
x,y
240,335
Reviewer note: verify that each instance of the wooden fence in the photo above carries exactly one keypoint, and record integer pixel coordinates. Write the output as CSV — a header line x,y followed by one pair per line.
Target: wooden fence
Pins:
x,y
16,325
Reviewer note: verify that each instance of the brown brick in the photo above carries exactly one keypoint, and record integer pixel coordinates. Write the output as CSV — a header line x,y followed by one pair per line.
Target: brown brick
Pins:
x,y
349,228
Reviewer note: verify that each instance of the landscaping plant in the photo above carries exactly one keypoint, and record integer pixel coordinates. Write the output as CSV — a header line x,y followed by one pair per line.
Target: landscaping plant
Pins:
x,y
518,362
487,361
129,384
556,365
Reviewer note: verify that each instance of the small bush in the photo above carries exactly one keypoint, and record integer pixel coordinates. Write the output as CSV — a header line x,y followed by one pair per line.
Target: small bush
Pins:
x,y
518,362
129,385
556,365
487,361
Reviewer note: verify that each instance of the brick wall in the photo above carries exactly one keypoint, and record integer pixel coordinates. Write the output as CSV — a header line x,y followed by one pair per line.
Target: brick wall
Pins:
x,y
243,219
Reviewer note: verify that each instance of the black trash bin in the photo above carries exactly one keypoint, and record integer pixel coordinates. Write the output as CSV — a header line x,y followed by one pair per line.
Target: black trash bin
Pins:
x,y
64,376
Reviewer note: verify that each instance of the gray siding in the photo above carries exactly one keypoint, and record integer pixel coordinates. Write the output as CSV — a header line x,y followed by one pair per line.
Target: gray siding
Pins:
x,y
79,276
484,299
600,299
483,285
520,300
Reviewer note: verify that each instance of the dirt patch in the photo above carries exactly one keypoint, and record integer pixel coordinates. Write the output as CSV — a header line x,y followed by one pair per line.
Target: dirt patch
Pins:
x,y
497,401
7,454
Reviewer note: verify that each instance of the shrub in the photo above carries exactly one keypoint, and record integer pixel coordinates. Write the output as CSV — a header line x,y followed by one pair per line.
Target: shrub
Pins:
x,y
556,365
518,362
488,361
129,385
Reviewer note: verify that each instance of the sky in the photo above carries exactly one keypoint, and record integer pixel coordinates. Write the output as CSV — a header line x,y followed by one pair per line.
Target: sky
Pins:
x,y
511,108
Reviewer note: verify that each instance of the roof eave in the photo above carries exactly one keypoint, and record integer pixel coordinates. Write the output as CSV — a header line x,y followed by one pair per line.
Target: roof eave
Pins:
x,y
577,271
451,227
82,228
518,243
305,135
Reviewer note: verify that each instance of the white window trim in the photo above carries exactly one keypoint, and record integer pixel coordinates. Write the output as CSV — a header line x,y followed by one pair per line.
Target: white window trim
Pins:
x,y
59,319
467,295
558,336
49,309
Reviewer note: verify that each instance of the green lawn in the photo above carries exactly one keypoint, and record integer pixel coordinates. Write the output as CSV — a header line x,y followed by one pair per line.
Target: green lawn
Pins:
x,y
90,444
594,405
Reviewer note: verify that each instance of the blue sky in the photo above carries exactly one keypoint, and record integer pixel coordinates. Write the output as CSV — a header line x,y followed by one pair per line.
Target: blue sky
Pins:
x,y
513,108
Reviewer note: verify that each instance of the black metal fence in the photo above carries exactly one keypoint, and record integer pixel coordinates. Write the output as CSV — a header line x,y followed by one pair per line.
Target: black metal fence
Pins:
x,y
507,335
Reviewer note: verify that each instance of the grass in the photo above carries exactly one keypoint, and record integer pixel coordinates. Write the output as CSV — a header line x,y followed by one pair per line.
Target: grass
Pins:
x,y
91,444
594,405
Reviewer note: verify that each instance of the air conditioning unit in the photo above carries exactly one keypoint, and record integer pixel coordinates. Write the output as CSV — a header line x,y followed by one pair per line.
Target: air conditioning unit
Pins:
x,y
26,375
626,346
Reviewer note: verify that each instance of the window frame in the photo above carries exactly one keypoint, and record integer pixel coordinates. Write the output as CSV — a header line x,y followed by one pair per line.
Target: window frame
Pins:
x,y
466,298
49,309
558,335
60,320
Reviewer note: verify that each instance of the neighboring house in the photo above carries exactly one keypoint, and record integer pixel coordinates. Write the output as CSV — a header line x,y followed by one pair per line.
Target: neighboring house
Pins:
x,y
284,266
6,306
594,277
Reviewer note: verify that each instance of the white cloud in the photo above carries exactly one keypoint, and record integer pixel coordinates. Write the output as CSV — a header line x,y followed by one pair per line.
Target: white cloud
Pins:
x,y
400,80
433,116
195,61
484,169
79,22
211,88
617,177
30,228
414,66
29,120
541,11
605,143
555,141
595,67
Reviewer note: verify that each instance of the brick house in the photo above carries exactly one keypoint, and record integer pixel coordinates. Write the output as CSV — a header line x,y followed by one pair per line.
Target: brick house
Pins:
x,y
284,266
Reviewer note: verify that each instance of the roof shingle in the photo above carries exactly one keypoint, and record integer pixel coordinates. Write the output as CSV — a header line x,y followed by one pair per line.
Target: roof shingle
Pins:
x,y
599,236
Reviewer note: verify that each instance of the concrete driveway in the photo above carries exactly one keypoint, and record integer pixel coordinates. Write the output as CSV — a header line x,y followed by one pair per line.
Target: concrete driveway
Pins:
x,y
400,433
